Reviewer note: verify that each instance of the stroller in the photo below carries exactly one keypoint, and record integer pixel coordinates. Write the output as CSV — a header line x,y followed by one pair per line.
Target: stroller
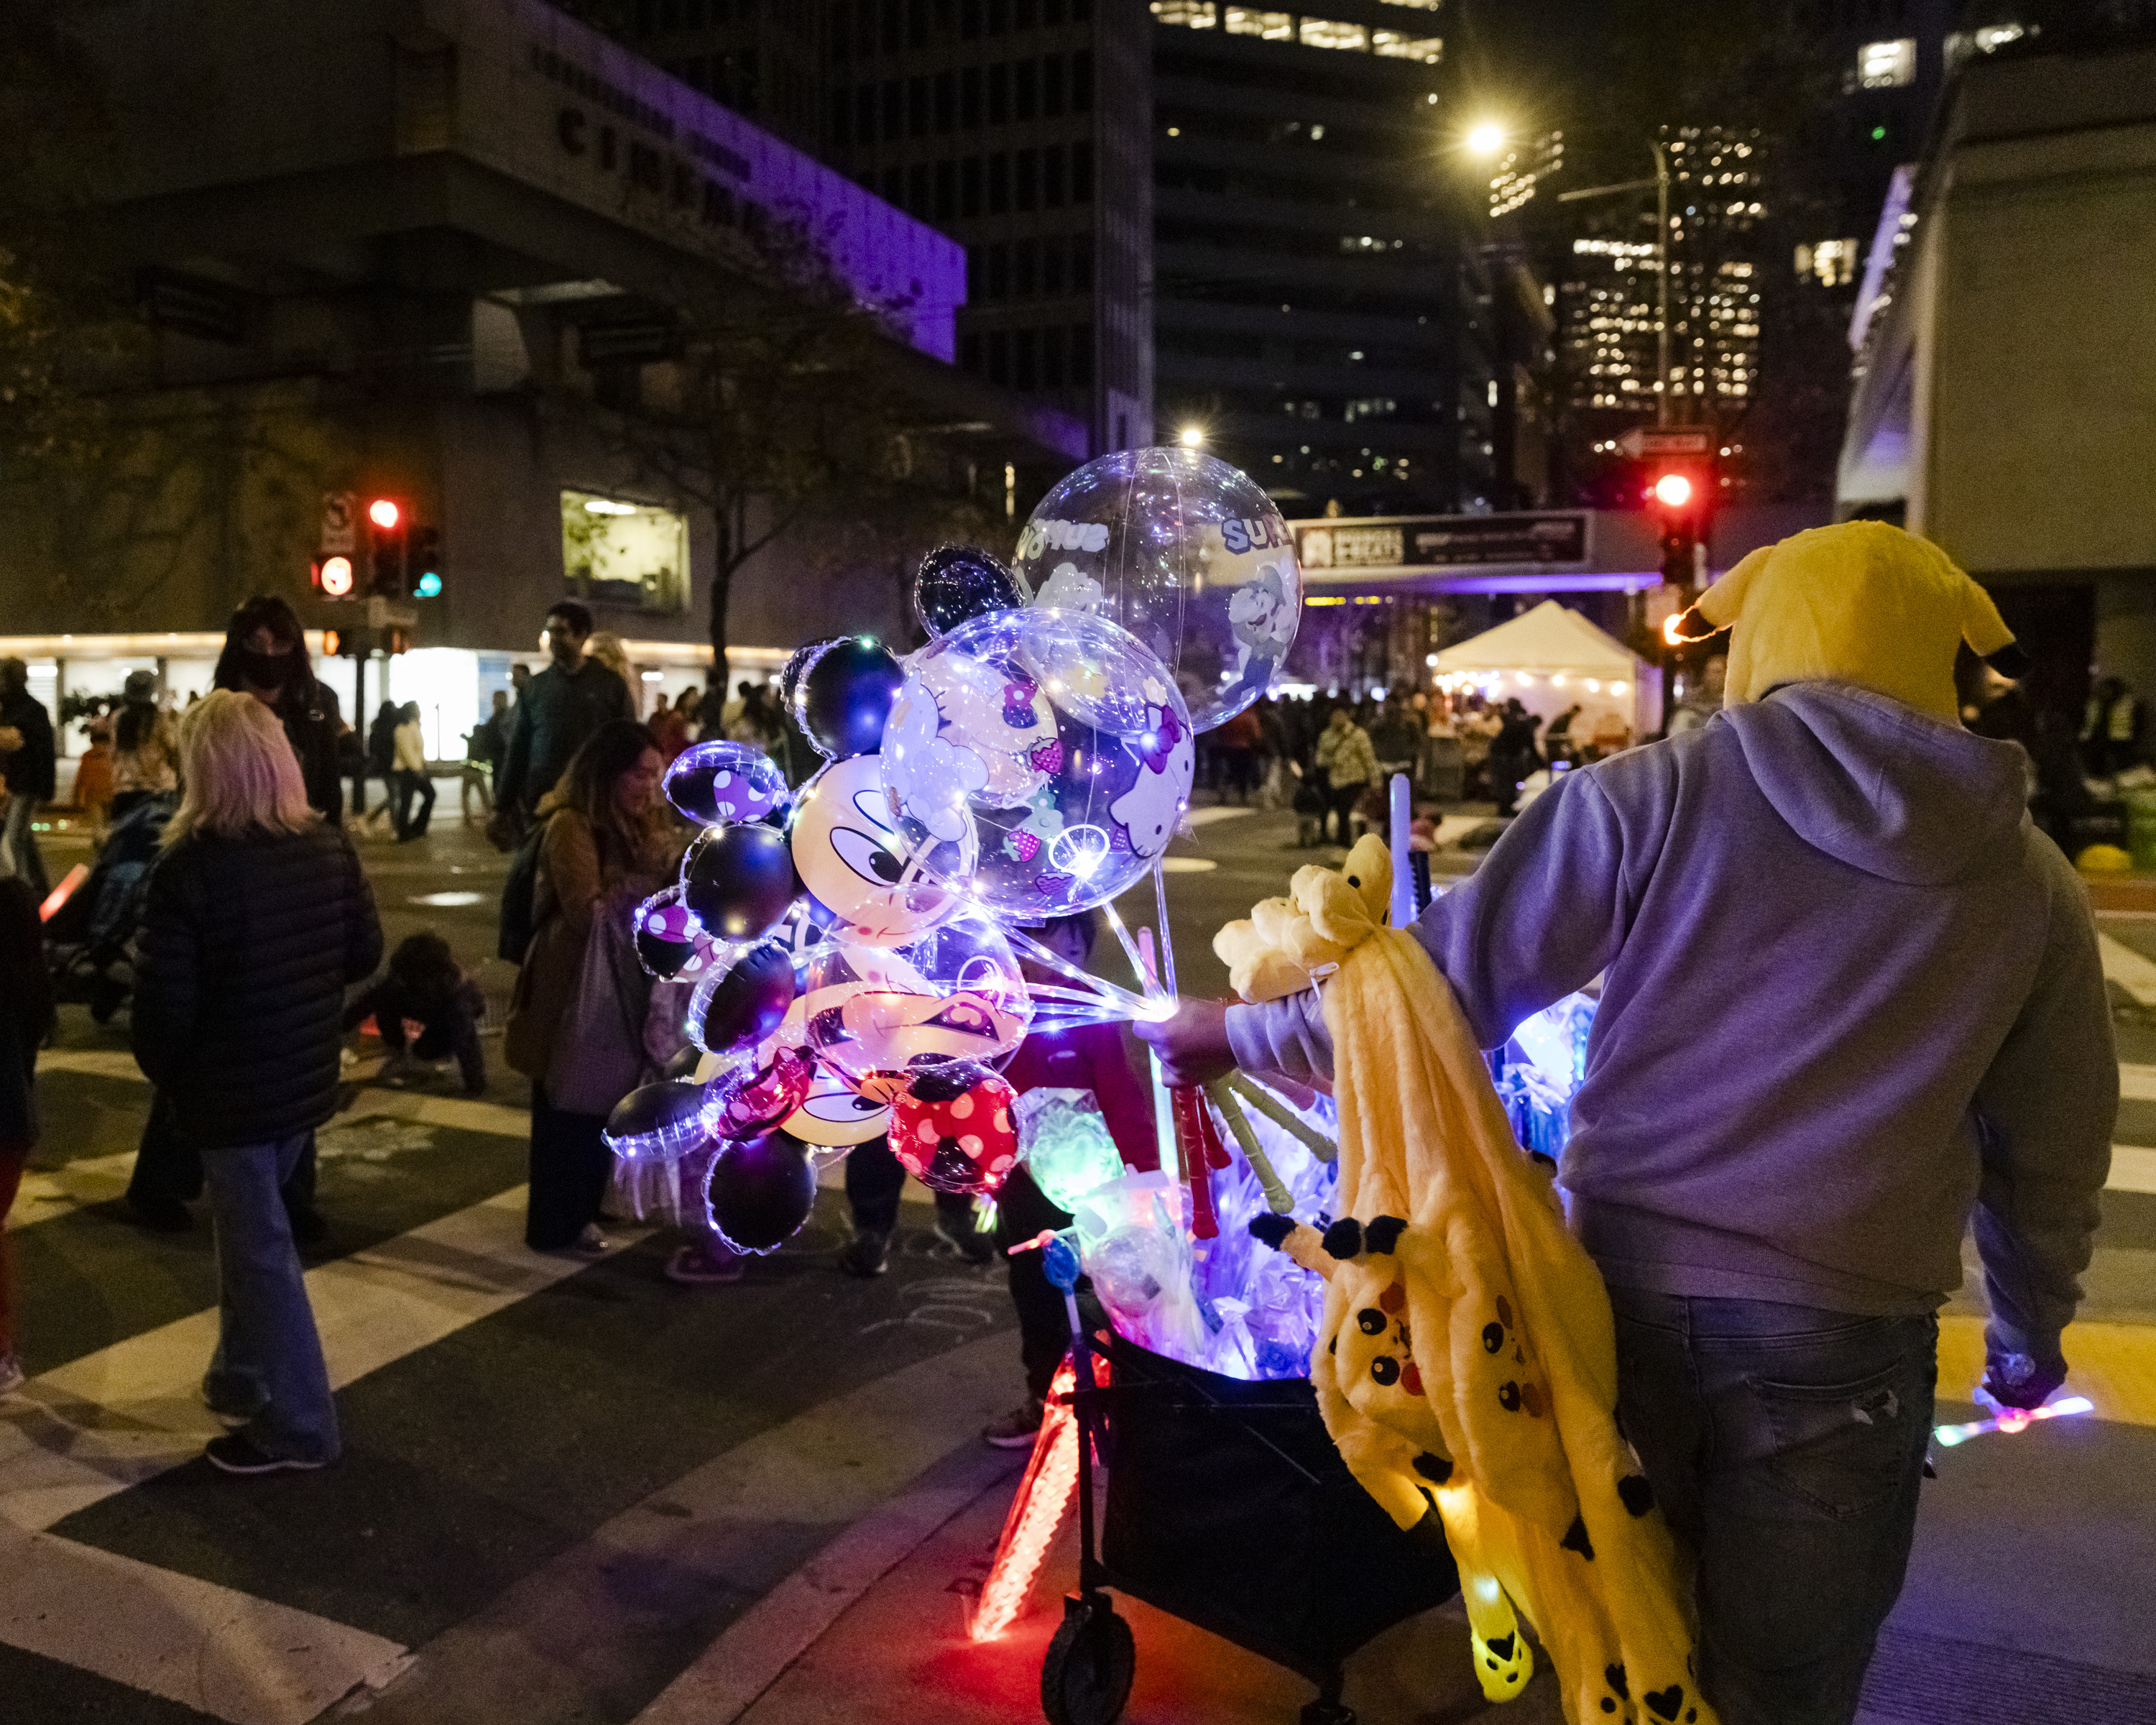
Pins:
x,y
90,942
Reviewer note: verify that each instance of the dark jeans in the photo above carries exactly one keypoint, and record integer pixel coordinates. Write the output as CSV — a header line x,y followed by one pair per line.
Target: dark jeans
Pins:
x,y
570,1167
167,1167
269,1362
1786,1445
1023,1210
404,788
874,1177
1340,802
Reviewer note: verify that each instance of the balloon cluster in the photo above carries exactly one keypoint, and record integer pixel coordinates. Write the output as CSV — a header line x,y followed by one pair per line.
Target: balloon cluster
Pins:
x,y
854,943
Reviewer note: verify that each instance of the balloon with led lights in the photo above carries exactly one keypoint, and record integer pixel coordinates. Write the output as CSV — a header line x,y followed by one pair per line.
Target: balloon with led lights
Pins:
x,y
670,942
875,1014
847,852
951,1128
835,1116
1187,553
797,662
738,881
758,1090
844,695
761,1192
1038,760
956,583
715,783
662,1122
744,1003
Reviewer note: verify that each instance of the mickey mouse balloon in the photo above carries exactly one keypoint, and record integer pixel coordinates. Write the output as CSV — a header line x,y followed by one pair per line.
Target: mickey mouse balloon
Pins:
x,y
1187,553
956,583
847,853
1038,760
711,783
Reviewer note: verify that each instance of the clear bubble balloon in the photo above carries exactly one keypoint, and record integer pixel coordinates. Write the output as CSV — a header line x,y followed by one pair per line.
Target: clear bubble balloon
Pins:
x,y
1038,760
1187,553
877,1015
956,583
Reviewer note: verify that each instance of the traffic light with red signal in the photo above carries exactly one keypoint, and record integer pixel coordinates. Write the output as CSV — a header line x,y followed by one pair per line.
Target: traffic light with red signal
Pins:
x,y
1677,495
387,542
334,578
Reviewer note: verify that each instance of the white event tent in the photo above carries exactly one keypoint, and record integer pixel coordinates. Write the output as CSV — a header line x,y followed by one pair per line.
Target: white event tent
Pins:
x,y
1552,658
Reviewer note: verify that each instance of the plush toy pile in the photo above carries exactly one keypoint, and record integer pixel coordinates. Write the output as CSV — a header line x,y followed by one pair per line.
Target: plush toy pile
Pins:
x,y
1466,1364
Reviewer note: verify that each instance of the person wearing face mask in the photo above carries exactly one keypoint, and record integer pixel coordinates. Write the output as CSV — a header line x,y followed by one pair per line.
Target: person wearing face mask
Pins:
x,y
265,655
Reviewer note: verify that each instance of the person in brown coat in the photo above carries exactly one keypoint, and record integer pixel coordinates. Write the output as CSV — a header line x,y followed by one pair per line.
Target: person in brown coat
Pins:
x,y
606,825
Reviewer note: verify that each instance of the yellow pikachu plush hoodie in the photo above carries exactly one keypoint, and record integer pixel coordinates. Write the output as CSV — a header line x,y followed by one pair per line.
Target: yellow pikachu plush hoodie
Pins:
x,y
1466,1363
1849,997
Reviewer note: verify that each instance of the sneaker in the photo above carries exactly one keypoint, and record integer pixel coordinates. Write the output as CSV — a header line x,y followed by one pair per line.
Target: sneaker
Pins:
x,y
591,1243
967,1241
234,1453
867,1254
11,1375
1018,1429
702,1266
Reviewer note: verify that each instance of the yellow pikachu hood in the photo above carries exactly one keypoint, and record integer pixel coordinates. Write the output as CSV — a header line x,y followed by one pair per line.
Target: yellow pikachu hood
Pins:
x,y
1859,603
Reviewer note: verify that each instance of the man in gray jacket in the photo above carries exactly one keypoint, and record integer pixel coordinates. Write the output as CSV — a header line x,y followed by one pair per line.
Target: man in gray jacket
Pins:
x,y
1849,995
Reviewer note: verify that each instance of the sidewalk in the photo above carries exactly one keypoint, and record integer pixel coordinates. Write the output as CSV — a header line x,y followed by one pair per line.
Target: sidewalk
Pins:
x,y
2026,1604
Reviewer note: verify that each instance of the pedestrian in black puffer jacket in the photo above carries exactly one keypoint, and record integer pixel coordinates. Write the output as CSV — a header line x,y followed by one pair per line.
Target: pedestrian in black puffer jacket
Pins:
x,y
257,919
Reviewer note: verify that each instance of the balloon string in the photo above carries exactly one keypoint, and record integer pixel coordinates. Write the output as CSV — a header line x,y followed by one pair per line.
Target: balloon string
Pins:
x,y
1144,972
1160,917
1097,987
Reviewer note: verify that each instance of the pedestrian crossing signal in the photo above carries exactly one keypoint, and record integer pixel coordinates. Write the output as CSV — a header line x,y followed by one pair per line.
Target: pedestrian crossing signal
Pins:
x,y
333,576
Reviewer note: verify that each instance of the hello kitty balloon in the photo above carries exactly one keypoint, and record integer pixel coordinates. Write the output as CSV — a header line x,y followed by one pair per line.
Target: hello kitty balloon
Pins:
x,y
1037,761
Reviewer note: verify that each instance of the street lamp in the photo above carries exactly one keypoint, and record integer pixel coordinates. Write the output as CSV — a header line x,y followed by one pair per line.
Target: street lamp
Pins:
x,y
1487,138
1660,182
1193,436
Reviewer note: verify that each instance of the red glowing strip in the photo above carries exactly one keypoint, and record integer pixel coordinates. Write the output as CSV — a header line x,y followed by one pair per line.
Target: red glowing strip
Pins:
x,y
1035,1514
60,894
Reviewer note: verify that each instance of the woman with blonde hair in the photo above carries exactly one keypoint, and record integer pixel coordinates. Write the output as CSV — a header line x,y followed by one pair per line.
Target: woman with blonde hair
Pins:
x,y
258,918
609,841
612,652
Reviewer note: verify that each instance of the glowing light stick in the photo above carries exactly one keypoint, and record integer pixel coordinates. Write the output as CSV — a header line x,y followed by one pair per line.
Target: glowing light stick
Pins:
x,y
1201,1151
2012,1420
1282,1115
1277,1199
62,893
1051,1476
1401,813
1164,1124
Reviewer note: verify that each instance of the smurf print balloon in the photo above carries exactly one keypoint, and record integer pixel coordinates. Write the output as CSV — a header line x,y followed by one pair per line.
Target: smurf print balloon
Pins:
x,y
1038,760
848,853
1187,553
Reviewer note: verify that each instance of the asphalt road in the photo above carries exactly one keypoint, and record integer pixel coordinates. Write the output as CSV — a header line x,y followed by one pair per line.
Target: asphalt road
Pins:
x,y
566,1481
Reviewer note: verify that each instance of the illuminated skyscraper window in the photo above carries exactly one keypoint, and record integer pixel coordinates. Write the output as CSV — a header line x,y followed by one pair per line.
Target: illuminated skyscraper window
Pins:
x,y
1887,65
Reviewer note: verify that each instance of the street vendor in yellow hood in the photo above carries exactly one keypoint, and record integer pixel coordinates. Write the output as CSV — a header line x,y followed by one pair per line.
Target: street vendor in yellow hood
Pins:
x,y
1851,1000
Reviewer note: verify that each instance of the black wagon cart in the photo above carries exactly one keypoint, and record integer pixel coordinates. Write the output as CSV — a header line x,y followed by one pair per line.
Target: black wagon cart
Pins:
x,y
1227,1506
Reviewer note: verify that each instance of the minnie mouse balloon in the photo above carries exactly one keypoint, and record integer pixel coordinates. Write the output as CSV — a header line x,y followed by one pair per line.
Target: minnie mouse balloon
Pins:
x,y
738,881
1038,760
835,1116
1187,553
847,852
844,695
663,1121
715,783
761,1192
758,1091
956,583
746,1001
875,1014
952,1128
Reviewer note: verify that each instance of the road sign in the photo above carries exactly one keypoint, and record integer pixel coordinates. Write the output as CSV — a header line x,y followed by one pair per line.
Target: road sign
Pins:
x,y
1442,541
1642,440
340,525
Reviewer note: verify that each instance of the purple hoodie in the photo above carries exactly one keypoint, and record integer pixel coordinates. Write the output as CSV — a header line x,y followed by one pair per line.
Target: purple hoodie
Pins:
x,y
1848,991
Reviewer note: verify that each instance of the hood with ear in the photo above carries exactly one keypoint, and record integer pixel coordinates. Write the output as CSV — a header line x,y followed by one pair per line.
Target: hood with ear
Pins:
x,y
1860,602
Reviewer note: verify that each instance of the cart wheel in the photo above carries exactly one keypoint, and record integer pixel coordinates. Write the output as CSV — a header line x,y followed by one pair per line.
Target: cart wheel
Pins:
x,y
1086,1676
1327,1713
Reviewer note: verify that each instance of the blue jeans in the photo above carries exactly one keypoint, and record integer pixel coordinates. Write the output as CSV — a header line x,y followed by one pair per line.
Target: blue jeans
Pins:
x,y
1786,1445
269,1362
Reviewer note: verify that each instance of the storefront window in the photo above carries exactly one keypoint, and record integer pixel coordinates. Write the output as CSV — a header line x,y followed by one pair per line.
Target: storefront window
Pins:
x,y
621,553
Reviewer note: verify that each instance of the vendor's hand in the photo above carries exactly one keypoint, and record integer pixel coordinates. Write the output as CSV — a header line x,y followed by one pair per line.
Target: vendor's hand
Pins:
x,y
2014,1380
1192,1046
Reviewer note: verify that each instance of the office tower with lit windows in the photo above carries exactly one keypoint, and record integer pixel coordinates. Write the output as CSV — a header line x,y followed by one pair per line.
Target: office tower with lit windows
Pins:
x,y
1019,128
1321,315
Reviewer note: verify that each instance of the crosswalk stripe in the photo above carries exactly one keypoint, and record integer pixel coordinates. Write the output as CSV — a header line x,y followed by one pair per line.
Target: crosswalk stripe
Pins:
x,y
96,1426
2114,1365
2126,968
220,1652
2137,1083
2132,1169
